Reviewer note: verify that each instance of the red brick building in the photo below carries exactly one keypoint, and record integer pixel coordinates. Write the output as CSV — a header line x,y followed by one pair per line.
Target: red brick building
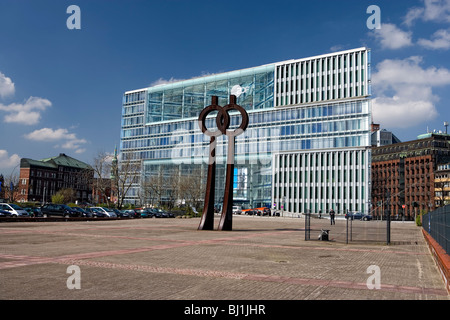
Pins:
x,y
40,179
403,173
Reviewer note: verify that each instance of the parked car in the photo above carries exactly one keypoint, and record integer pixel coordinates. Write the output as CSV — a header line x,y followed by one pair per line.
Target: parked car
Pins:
x,y
84,213
163,213
15,210
96,213
249,212
132,213
154,213
5,214
262,211
237,209
358,216
144,213
34,212
58,210
107,211
122,213
171,215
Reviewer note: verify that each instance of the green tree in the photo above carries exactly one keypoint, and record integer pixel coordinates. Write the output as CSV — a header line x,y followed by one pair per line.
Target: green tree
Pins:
x,y
58,198
64,196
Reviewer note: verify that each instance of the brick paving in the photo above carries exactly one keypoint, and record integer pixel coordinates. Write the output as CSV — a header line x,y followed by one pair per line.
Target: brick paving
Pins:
x,y
263,258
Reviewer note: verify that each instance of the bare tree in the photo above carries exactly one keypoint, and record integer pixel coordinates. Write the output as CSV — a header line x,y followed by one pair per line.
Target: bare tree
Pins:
x,y
163,185
11,186
101,182
124,174
192,188
168,184
173,186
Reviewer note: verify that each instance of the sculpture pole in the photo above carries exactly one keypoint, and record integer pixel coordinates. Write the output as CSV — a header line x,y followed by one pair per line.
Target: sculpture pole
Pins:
x,y
222,122
226,220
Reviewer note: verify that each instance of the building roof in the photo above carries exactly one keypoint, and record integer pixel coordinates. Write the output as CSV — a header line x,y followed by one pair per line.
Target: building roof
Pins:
x,y
435,144
54,162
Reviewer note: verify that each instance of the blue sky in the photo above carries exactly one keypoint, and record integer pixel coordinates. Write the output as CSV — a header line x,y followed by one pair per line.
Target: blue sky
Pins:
x,y
61,89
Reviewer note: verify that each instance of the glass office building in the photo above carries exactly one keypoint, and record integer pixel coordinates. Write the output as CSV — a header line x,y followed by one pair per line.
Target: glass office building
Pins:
x,y
305,109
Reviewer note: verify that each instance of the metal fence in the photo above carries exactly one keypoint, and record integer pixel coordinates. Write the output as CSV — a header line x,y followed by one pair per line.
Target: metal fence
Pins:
x,y
437,224
347,230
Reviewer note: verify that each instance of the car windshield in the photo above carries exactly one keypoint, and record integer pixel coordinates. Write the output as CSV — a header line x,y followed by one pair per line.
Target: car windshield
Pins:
x,y
15,206
66,207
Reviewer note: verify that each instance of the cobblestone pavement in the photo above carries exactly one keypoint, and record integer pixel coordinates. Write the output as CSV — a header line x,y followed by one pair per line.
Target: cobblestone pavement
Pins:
x,y
263,258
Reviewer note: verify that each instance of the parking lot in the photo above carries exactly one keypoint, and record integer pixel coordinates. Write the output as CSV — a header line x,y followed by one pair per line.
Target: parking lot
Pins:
x,y
263,258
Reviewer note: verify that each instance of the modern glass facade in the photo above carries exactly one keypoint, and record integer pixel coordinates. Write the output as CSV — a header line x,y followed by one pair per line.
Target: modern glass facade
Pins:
x,y
296,106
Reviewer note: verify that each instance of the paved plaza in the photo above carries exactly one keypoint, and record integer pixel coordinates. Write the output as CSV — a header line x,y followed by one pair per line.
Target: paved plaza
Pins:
x,y
263,258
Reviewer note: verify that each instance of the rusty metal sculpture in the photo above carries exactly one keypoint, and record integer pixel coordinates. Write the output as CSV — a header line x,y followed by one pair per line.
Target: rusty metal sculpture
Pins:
x,y
223,123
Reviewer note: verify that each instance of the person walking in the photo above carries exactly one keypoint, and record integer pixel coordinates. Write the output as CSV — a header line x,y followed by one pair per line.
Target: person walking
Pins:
x,y
332,216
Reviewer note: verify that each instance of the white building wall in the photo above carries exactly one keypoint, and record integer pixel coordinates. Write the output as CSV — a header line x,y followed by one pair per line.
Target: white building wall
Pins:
x,y
316,181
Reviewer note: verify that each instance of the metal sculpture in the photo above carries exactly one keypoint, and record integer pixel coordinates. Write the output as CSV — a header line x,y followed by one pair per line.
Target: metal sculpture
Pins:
x,y
223,123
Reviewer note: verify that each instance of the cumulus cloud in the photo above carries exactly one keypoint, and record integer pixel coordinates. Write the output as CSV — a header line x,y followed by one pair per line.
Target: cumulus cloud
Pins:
x,y
403,91
432,10
7,161
391,37
440,40
6,86
27,113
67,140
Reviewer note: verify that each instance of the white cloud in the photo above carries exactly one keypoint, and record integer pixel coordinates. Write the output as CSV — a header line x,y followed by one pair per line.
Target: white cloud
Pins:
x,y
73,144
162,81
391,37
48,134
69,140
433,10
440,40
7,161
403,91
27,113
6,86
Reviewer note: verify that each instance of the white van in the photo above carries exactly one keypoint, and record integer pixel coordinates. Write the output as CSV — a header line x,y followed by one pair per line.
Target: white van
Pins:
x,y
237,209
15,210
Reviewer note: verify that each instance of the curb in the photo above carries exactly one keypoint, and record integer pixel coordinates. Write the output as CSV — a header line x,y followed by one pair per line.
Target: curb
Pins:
x,y
441,258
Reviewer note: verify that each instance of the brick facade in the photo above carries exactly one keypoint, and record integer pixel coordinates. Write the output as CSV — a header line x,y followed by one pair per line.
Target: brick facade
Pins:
x,y
40,179
404,173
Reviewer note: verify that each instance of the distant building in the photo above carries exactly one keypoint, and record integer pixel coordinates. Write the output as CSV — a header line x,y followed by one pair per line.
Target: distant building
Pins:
x,y
40,179
382,137
442,185
403,174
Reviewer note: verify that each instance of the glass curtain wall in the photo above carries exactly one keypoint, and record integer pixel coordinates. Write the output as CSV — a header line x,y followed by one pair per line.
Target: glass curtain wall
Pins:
x,y
298,105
